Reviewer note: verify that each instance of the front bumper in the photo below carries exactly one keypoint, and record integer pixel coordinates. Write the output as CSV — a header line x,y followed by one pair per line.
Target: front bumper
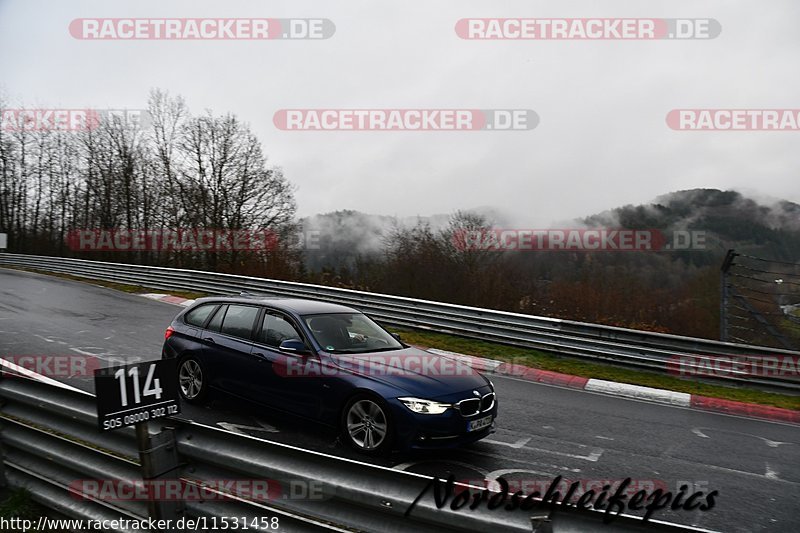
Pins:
x,y
447,430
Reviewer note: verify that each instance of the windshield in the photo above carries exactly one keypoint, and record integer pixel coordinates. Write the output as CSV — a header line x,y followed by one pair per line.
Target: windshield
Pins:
x,y
350,333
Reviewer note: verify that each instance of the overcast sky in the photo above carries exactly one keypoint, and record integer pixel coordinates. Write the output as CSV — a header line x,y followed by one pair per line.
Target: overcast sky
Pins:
x,y
602,140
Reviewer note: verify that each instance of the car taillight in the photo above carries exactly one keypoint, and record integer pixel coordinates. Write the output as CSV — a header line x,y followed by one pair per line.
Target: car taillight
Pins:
x,y
168,333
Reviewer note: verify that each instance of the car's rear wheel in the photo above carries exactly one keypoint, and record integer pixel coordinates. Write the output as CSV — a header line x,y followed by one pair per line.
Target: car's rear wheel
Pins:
x,y
192,380
367,425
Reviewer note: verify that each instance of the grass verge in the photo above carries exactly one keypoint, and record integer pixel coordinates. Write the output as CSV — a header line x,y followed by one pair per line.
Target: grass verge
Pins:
x,y
17,503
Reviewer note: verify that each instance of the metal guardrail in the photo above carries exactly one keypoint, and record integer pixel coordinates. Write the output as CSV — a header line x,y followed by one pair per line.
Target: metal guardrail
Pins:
x,y
619,346
50,439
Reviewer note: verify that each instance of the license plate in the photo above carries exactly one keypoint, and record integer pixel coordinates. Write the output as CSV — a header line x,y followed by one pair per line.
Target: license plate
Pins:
x,y
480,423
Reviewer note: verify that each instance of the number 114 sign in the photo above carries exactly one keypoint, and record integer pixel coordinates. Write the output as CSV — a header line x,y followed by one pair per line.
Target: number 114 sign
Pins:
x,y
135,393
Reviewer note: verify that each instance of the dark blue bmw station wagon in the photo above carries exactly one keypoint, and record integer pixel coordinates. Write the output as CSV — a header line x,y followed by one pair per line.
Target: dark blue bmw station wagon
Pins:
x,y
332,364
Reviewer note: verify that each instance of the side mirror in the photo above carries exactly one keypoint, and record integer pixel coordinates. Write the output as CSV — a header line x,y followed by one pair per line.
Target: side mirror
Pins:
x,y
294,346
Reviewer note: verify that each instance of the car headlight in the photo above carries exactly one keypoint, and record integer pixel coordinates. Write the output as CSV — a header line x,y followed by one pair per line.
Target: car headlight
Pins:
x,y
425,407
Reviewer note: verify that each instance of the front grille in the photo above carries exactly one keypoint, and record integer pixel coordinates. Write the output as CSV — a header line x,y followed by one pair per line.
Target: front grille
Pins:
x,y
469,407
473,406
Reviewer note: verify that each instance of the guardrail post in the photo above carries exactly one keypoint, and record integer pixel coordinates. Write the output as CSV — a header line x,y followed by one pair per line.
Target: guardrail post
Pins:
x,y
3,480
158,455
724,296
541,523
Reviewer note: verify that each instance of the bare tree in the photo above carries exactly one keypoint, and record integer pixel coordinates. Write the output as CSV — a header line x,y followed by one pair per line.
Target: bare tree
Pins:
x,y
181,171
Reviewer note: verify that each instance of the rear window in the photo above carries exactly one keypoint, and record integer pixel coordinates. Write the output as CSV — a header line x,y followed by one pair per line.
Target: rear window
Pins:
x,y
216,322
197,317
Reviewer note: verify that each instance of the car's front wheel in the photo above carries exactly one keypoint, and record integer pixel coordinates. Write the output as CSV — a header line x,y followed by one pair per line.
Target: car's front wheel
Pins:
x,y
367,425
192,380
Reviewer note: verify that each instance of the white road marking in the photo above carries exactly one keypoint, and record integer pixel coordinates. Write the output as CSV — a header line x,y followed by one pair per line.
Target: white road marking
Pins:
x,y
593,456
85,351
771,474
242,429
492,477
734,471
405,466
522,440
518,444
103,353
267,427
768,442
510,459
51,340
602,437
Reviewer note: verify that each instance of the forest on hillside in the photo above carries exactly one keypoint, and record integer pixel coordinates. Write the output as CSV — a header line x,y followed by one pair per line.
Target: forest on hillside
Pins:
x,y
675,291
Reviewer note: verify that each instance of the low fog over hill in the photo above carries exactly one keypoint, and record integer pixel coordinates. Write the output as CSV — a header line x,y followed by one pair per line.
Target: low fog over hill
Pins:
x,y
731,220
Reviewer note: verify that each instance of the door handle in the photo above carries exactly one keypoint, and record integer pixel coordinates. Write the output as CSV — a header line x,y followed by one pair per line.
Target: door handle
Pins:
x,y
260,357
210,339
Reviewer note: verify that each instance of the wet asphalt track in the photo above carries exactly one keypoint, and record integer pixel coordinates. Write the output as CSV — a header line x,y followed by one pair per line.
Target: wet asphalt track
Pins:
x,y
543,431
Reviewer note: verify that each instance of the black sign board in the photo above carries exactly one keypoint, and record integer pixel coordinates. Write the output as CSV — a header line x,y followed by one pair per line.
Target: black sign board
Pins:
x,y
128,395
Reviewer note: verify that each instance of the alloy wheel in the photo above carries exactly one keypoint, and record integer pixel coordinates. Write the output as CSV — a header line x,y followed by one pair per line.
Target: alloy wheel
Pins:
x,y
367,424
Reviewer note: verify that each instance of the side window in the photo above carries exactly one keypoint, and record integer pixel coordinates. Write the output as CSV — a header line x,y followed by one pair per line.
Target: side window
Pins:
x,y
216,322
239,320
276,329
197,317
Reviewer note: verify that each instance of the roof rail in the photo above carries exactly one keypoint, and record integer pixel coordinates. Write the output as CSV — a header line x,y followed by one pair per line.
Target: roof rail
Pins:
x,y
257,295
248,294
